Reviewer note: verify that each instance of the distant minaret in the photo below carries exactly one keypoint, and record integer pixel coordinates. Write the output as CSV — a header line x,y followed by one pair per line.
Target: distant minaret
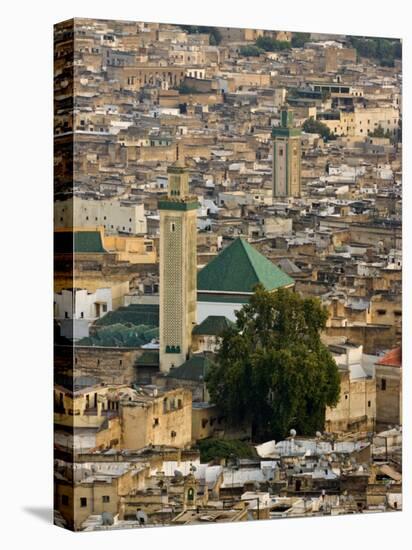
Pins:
x,y
286,157
178,268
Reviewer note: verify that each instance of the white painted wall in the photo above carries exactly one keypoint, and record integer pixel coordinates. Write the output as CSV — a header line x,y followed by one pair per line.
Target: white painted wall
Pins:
x,y
83,304
110,214
204,309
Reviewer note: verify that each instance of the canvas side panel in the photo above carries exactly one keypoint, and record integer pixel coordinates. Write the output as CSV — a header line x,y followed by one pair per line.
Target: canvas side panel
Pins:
x,y
63,274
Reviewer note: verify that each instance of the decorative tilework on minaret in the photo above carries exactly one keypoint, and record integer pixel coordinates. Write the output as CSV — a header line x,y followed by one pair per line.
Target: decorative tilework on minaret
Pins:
x,y
286,157
178,268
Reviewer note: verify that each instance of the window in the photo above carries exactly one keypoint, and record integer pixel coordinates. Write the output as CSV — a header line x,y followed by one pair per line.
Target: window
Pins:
x,y
82,314
105,498
172,227
381,311
83,502
383,384
281,152
369,403
66,315
65,500
155,421
104,307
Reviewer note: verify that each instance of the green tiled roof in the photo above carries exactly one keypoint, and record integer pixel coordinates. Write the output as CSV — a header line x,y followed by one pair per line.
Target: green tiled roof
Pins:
x,y
239,268
80,242
194,369
133,314
121,336
213,325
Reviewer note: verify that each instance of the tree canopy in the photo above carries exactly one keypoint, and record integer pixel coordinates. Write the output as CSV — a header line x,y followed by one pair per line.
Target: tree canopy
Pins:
x,y
379,132
312,126
215,449
299,39
250,51
272,369
271,45
384,50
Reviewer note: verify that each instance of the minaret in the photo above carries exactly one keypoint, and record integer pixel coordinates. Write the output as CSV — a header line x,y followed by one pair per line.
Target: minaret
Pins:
x,y
178,268
286,157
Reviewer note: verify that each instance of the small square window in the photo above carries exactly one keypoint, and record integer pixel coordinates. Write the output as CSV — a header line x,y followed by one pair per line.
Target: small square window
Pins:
x,y
105,498
83,502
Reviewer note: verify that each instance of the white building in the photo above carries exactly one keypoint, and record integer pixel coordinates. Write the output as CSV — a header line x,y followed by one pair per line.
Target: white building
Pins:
x,y
77,308
111,214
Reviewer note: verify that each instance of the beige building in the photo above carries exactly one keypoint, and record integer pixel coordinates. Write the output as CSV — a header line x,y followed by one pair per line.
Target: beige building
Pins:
x,y
123,418
178,268
356,409
159,419
389,389
363,121
135,250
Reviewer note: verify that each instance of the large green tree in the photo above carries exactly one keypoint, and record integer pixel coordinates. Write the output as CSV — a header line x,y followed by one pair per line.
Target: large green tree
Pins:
x,y
272,369
312,126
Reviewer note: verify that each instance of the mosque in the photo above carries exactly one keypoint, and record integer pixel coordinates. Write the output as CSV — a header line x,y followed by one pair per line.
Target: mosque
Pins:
x,y
191,301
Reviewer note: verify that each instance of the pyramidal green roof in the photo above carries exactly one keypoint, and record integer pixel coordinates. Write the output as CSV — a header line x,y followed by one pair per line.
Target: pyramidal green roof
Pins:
x,y
213,325
239,268
194,368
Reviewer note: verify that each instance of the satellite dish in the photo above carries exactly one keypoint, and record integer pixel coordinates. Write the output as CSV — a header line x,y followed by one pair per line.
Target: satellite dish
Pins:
x,y
178,473
107,518
292,433
318,434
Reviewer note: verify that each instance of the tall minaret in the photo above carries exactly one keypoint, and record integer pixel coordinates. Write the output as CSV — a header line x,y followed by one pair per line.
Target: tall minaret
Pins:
x,y
178,268
286,157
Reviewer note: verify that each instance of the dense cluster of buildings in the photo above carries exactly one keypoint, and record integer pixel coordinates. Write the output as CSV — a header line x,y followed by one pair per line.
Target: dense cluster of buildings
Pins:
x,y
184,177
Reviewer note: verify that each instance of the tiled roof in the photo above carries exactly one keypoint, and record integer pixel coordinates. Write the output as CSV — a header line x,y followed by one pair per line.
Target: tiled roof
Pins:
x,y
133,314
194,369
239,268
392,359
213,325
80,242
